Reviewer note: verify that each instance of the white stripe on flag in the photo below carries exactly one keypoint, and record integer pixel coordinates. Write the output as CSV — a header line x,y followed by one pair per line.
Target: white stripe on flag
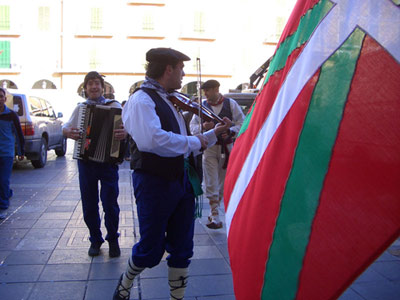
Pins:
x,y
336,27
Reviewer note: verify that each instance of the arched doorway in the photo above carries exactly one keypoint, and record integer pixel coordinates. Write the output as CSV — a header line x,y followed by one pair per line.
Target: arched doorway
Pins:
x,y
7,84
108,91
190,88
44,84
243,86
135,86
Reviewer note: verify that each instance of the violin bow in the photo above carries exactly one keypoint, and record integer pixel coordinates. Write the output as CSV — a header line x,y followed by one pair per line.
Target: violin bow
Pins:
x,y
198,67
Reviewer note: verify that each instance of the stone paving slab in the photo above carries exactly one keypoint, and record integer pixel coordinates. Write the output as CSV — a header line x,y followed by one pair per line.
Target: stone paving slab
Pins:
x,y
44,243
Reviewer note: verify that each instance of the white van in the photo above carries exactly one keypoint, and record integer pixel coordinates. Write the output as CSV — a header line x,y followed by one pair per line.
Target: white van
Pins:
x,y
41,127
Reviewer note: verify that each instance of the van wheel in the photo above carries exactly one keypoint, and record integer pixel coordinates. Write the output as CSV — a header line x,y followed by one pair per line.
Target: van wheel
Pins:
x,y
63,148
41,162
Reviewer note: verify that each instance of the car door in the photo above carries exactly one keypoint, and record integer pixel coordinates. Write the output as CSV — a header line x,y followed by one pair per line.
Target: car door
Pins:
x,y
56,124
48,120
37,116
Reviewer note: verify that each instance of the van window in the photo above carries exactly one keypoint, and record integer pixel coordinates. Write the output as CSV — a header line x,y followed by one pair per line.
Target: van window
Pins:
x,y
51,110
34,107
17,106
45,109
15,103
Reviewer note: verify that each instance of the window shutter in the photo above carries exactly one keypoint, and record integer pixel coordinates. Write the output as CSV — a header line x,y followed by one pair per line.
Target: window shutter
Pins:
x,y
44,18
96,19
5,55
4,17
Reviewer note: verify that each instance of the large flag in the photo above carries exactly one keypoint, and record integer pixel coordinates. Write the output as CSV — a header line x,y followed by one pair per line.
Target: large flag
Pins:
x,y
312,192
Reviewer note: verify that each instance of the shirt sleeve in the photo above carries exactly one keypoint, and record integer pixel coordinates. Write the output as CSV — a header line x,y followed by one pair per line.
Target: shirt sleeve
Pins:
x,y
143,124
73,120
195,125
237,116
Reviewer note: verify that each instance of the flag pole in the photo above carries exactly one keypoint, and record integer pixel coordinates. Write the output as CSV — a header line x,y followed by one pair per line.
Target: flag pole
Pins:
x,y
198,69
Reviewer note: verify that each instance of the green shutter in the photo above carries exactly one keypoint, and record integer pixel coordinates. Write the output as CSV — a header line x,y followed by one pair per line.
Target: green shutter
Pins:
x,y
5,55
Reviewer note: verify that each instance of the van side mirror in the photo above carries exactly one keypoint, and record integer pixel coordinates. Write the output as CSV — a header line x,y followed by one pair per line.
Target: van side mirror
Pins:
x,y
60,115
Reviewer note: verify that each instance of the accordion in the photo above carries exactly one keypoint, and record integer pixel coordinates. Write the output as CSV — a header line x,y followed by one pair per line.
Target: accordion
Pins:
x,y
97,142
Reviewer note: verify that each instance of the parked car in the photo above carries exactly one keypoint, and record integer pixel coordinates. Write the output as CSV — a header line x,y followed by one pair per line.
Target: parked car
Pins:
x,y
245,100
42,128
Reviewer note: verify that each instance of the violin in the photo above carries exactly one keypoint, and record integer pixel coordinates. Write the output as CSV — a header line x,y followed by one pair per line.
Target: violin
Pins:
x,y
184,103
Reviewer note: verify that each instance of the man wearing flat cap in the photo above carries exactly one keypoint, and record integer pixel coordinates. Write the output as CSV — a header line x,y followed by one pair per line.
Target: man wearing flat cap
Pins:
x,y
215,158
161,179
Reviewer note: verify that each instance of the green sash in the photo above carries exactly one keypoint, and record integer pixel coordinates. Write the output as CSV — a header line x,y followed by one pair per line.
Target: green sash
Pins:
x,y
196,185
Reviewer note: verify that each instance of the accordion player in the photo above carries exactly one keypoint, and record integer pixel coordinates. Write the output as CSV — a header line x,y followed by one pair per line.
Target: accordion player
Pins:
x,y
97,141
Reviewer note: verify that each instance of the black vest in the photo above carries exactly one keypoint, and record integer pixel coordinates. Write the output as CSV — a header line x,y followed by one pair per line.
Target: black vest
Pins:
x,y
170,168
225,111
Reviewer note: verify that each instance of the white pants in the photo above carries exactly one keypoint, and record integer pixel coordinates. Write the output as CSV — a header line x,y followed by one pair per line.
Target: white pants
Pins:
x,y
214,176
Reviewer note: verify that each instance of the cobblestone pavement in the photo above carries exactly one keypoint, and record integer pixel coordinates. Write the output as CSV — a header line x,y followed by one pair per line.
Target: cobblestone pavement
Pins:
x,y
44,243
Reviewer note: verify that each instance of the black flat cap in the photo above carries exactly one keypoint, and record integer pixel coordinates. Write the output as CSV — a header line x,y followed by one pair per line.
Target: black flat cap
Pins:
x,y
210,84
165,55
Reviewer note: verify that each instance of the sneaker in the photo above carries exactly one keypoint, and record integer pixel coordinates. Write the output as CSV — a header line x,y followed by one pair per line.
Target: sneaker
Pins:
x,y
3,214
214,222
117,295
94,249
114,250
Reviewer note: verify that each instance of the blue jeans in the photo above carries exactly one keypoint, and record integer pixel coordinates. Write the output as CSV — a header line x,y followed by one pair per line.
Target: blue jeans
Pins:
x,y
165,211
6,164
90,173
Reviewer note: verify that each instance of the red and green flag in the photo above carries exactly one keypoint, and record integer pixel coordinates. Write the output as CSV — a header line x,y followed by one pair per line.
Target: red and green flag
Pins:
x,y
312,192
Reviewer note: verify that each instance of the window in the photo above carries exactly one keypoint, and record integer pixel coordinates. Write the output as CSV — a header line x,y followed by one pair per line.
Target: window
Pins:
x,y
44,18
17,106
5,55
96,20
45,112
148,22
94,61
35,107
50,108
4,17
197,65
199,22
280,25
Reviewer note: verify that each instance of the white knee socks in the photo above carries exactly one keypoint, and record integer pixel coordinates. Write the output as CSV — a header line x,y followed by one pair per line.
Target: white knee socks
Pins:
x,y
177,279
127,278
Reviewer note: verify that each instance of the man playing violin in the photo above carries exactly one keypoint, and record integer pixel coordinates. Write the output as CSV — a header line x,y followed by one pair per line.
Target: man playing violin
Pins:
x,y
215,158
163,190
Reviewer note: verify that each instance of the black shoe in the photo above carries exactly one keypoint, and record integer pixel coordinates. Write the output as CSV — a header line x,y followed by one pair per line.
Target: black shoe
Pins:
x,y
94,249
117,295
114,250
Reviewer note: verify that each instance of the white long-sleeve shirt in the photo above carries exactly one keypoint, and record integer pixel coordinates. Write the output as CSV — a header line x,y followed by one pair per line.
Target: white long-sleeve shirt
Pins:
x,y
143,124
237,117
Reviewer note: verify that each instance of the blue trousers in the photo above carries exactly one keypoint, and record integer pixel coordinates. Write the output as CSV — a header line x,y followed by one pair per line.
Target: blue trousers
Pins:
x,y
6,164
166,220
90,173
